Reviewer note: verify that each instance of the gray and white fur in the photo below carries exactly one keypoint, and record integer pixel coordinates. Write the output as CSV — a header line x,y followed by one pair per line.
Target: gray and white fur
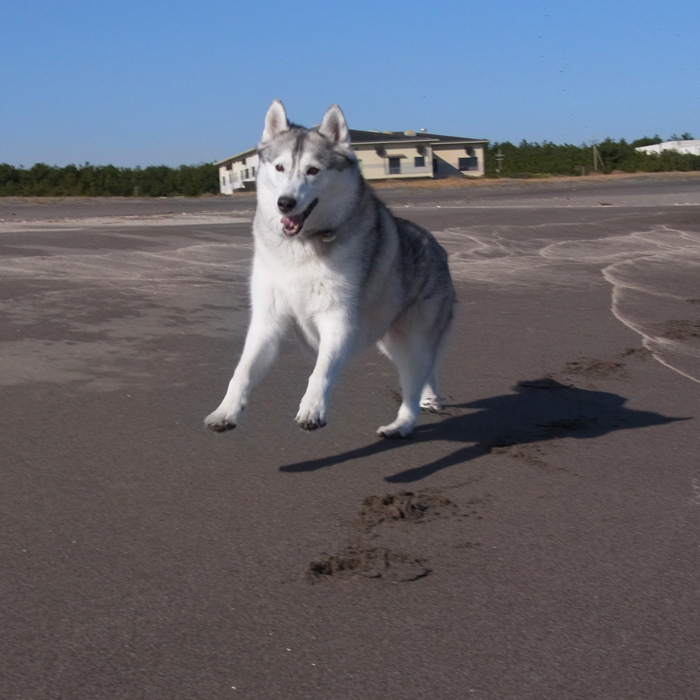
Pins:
x,y
334,264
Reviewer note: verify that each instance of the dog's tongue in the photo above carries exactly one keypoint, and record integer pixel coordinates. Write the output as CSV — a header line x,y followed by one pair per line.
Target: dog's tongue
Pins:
x,y
293,221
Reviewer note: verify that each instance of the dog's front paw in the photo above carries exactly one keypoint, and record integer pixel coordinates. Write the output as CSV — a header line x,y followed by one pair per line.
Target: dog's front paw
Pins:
x,y
219,421
310,418
311,423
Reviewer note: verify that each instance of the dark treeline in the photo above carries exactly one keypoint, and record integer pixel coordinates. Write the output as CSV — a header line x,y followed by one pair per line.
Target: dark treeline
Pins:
x,y
541,159
524,160
88,180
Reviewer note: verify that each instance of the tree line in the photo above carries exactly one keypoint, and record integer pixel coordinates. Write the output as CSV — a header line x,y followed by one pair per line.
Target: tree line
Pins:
x,y
88,180
502,159
542,159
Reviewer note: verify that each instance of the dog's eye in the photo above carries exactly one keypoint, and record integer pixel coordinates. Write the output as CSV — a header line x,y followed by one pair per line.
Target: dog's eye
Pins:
x,y
312,171
279,168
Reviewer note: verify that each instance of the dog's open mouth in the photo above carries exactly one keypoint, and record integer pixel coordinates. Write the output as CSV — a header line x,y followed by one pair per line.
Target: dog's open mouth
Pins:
x,y
291,225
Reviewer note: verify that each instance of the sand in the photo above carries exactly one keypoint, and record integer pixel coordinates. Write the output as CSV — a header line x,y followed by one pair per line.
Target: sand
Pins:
x,y
535,540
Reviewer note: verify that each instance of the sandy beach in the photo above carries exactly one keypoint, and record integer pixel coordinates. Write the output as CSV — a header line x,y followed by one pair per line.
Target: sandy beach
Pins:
x,y
536,540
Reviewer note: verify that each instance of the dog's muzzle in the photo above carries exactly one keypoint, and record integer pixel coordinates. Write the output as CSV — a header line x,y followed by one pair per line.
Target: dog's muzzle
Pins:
x,y
293,223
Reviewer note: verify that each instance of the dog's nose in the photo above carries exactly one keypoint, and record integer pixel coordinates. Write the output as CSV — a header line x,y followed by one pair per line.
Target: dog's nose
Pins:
x,y
286,204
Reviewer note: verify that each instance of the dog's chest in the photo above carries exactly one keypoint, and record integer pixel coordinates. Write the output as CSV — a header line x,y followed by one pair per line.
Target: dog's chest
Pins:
x,y
304,288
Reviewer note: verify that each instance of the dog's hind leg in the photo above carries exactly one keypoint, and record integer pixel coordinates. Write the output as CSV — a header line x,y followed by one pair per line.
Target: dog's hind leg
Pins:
x,y
259,352
430,396
414,359
415,344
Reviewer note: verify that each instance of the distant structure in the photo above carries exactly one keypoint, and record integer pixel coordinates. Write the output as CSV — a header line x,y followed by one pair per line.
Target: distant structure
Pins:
x,y
692,147
387,155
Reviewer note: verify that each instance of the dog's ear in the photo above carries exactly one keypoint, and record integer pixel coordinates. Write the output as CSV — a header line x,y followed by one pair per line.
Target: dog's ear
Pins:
x,y
275,121
335,128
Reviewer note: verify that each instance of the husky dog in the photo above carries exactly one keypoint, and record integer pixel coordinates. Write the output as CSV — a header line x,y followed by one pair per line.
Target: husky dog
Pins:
x,y
332,262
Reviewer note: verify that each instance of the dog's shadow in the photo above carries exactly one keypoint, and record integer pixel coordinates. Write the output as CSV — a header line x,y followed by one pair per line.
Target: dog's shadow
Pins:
x,y
537,411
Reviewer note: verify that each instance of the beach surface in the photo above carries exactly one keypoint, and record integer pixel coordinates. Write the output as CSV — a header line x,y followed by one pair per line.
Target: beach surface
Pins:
x,y
536,540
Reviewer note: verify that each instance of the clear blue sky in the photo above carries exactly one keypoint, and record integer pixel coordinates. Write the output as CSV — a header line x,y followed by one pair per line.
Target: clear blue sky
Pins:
x,y
154,82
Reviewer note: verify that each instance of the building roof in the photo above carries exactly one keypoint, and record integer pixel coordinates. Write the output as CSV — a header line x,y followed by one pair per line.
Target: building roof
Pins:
x,y
357,136
242,154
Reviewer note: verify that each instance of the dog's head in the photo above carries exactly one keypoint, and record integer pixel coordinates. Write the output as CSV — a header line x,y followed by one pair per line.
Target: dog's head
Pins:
x,y
305,176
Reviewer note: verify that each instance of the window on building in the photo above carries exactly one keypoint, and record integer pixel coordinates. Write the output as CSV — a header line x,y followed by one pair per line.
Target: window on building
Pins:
x,y
419,162
394,166
467,164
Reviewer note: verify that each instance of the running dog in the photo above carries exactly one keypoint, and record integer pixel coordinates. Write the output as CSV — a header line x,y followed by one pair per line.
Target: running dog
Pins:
x,y
333,263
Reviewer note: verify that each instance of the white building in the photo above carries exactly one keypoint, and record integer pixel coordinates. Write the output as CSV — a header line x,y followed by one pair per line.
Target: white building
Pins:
x,y
388,155
238,172
691,147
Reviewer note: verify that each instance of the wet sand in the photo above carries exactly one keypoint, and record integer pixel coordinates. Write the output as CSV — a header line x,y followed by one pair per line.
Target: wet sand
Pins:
x,y
536,540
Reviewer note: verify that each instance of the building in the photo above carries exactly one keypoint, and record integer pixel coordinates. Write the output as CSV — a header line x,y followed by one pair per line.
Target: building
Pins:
x,y
387,155
692,147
